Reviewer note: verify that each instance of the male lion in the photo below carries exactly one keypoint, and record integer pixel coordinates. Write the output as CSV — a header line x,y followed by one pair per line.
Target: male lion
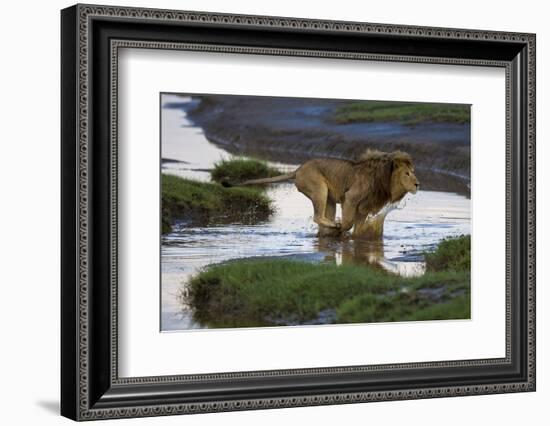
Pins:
x,y
362,187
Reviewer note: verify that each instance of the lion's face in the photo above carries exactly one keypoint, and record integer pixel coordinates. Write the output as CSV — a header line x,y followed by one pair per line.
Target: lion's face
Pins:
x,y
405,178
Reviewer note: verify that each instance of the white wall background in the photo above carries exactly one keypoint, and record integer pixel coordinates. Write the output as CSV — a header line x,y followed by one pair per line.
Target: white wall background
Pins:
x,y
29,224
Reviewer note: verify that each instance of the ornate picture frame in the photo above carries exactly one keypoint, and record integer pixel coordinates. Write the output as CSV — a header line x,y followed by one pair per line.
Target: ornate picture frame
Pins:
x,y
91,37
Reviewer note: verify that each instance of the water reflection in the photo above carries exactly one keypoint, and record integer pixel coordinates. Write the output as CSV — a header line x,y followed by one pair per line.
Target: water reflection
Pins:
x,y
351,251
370,253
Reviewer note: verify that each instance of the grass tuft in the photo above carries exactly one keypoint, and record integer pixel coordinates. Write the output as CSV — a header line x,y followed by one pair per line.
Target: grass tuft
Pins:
x,y
451,254
241,169
205,203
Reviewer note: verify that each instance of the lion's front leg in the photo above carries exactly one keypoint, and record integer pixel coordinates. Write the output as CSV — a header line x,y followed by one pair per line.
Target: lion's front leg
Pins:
x,y
360,222
371,228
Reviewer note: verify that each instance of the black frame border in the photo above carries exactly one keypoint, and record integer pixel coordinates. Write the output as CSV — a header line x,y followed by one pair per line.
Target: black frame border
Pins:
x,y
90,387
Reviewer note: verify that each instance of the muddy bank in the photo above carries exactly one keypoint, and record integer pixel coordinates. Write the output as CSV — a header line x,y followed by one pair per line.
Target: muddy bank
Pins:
x,y
294,130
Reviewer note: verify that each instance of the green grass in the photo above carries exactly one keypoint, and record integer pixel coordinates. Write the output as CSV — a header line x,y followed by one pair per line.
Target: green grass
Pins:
x,y
451,254
250,293
202,202
402,307
240,169
406,113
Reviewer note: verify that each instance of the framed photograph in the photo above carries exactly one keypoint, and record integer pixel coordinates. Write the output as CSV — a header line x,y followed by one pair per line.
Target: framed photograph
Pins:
x,y
263,212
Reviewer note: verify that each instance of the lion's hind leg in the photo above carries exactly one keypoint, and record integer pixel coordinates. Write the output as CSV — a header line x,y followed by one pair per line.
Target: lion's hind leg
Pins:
x,y
319,199
312,184
330,214
317,192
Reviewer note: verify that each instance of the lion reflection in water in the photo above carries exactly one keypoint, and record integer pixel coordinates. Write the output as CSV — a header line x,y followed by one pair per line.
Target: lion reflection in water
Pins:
x,y
363,188
348,251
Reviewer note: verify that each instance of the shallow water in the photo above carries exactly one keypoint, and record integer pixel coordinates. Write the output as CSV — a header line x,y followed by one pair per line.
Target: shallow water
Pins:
x,y
417,224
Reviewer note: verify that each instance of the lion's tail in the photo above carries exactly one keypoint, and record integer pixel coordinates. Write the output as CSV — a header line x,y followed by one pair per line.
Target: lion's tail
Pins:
x,y
280,178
